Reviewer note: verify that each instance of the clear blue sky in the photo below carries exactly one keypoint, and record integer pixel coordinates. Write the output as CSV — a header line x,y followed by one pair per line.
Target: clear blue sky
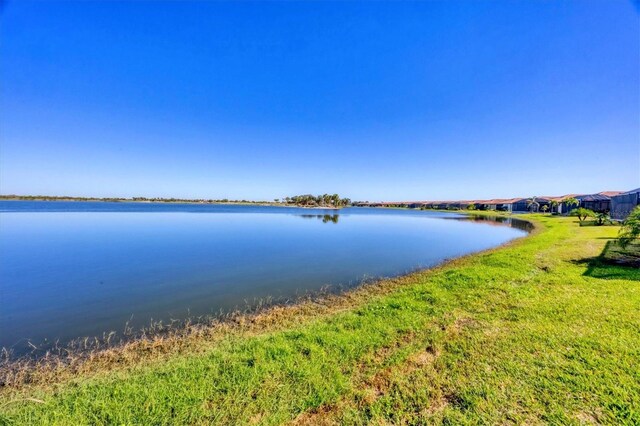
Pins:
x,y
373,100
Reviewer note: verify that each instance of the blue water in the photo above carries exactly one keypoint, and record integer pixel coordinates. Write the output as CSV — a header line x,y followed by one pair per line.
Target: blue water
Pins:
x,y
72,269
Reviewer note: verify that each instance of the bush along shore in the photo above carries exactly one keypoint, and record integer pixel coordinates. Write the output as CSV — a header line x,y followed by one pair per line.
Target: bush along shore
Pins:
x,y
542,330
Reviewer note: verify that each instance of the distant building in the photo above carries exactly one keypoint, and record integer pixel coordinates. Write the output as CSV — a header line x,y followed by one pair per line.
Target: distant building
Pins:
x,y
599,203
623,204
527,204
498,204
506,205
519,205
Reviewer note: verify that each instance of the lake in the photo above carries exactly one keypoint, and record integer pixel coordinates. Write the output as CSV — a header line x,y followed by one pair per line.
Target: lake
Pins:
x,y
72,269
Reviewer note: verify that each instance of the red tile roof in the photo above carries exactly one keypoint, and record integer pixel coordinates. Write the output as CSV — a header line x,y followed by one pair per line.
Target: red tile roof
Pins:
x,y
610,193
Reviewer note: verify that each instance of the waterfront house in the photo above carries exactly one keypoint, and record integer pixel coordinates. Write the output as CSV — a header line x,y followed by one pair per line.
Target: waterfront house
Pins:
x,y
505,204
600,202
622,204
597,202
519,205
523,204
563,207
499,204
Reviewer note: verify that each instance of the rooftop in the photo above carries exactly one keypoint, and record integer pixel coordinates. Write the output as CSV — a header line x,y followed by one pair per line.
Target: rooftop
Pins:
x,y
600,196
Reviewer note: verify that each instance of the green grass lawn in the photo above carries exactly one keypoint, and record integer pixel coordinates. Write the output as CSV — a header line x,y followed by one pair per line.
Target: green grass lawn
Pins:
x,y
539,331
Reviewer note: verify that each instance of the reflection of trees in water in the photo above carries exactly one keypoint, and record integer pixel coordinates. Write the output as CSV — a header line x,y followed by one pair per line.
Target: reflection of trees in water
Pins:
x,y
325,218
490,220
520,224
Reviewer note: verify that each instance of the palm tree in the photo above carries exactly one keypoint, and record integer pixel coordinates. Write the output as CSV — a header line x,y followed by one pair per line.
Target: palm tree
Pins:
x,y
571,202
602,218
532,203
583,213
554,205
544,208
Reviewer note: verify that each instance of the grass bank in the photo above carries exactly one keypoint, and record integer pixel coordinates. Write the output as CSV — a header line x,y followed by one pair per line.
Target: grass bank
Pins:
x,y
539,331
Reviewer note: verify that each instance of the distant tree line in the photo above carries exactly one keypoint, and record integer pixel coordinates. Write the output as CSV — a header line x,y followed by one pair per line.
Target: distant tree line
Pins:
x,y
325,200
122,199
307,200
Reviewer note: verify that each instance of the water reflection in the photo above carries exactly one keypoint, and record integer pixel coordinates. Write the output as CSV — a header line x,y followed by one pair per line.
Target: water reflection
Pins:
x,y
325,218
512,222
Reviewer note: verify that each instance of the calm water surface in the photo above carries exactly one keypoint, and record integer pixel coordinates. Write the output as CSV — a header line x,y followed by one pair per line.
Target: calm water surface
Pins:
x,y
71,269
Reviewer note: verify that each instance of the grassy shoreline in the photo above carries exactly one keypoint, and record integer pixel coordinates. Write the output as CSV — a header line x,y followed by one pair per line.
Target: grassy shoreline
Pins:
x,y
536,331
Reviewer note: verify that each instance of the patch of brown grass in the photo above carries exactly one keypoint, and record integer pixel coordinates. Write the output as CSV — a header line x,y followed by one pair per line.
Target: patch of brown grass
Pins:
x,y
372,388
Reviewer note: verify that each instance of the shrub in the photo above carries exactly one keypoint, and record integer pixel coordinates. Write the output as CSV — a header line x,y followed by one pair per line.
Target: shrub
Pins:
x,y
630,229
602,218
582,213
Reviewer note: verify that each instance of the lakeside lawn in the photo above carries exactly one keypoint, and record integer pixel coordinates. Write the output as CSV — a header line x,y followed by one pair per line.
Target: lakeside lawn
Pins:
x,y
539,331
